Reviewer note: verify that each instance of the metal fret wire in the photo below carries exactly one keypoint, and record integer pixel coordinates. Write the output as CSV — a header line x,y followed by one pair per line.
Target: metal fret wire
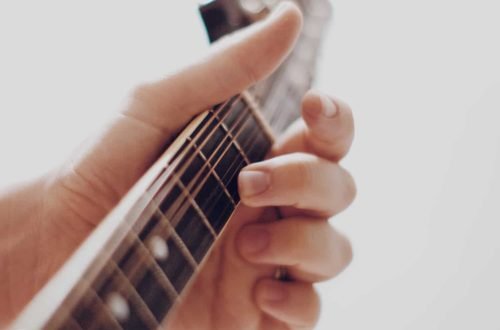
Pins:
x,y
132,274
185,189
245,115
102,306
143,309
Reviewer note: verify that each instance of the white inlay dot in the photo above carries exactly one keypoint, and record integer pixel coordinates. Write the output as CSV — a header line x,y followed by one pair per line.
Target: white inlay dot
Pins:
x,y
158,248
119,306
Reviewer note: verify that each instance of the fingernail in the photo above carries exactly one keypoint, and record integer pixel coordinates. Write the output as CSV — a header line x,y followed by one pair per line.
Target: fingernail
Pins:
x,y
274,293
329,108
253,182
253,240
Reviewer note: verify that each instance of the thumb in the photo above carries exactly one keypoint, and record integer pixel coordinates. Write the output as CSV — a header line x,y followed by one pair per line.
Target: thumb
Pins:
x,y
115,160
234,63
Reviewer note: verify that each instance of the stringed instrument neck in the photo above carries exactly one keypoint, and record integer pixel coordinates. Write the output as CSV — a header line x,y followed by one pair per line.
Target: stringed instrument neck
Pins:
x,y
131,271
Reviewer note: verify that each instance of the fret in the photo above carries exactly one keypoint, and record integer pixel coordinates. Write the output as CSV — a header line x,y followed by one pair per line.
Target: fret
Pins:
x,y
216,202
209,146
230,118
178,265
206,173
187,218
169,198
109,321
131,310
225,158
194,233
71,324
178,241
136,269
253,134
92,312
149,280
154,281
241,111
111,304
194,163
191,204
223,111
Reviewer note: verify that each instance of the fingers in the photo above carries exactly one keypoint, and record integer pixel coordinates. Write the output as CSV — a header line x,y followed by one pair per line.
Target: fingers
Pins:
x,y
300,180
234,64
296,304
310,249
327,128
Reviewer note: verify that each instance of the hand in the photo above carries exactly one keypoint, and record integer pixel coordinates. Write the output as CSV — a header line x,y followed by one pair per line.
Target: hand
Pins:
x,y
236,289
44,221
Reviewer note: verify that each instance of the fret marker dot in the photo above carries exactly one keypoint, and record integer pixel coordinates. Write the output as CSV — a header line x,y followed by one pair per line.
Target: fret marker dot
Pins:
x,y
119,306
158,248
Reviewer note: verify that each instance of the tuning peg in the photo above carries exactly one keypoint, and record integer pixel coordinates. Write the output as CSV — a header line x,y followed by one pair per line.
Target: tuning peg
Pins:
x,y
222,17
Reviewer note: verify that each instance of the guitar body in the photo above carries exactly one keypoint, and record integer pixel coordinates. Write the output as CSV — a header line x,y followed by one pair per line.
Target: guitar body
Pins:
x,y
142,261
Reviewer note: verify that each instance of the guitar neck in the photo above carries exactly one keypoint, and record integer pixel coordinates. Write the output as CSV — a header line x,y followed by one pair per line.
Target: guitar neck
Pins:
x,y
133,268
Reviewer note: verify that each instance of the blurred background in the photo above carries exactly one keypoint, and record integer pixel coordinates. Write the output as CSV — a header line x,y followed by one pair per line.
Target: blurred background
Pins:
x,y
423,79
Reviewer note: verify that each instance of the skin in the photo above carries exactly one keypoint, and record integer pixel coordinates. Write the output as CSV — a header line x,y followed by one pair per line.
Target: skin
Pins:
x,y
42,222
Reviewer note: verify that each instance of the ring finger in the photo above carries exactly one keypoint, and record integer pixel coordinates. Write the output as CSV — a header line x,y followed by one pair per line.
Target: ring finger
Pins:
x,y
310,248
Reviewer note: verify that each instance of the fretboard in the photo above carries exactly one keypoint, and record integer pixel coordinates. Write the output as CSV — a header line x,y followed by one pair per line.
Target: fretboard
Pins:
x,y
153,243
182,214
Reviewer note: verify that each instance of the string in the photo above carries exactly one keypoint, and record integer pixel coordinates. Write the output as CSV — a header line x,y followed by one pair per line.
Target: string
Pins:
x,y
230,144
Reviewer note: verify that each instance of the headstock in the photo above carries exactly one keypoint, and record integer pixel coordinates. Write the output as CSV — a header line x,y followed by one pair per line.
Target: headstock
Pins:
x,y
222,17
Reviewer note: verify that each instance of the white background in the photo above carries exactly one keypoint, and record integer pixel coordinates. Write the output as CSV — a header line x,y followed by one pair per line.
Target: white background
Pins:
x,y
423,78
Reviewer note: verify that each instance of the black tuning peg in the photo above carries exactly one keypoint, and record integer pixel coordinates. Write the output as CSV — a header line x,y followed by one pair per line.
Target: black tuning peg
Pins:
x,y
222,17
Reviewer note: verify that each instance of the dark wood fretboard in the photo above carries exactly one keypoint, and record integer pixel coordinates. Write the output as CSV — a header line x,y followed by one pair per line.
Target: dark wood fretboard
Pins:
x,y
183,212
165,228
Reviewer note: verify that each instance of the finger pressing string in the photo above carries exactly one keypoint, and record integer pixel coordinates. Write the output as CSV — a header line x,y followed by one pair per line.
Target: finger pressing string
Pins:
x,y
300,180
